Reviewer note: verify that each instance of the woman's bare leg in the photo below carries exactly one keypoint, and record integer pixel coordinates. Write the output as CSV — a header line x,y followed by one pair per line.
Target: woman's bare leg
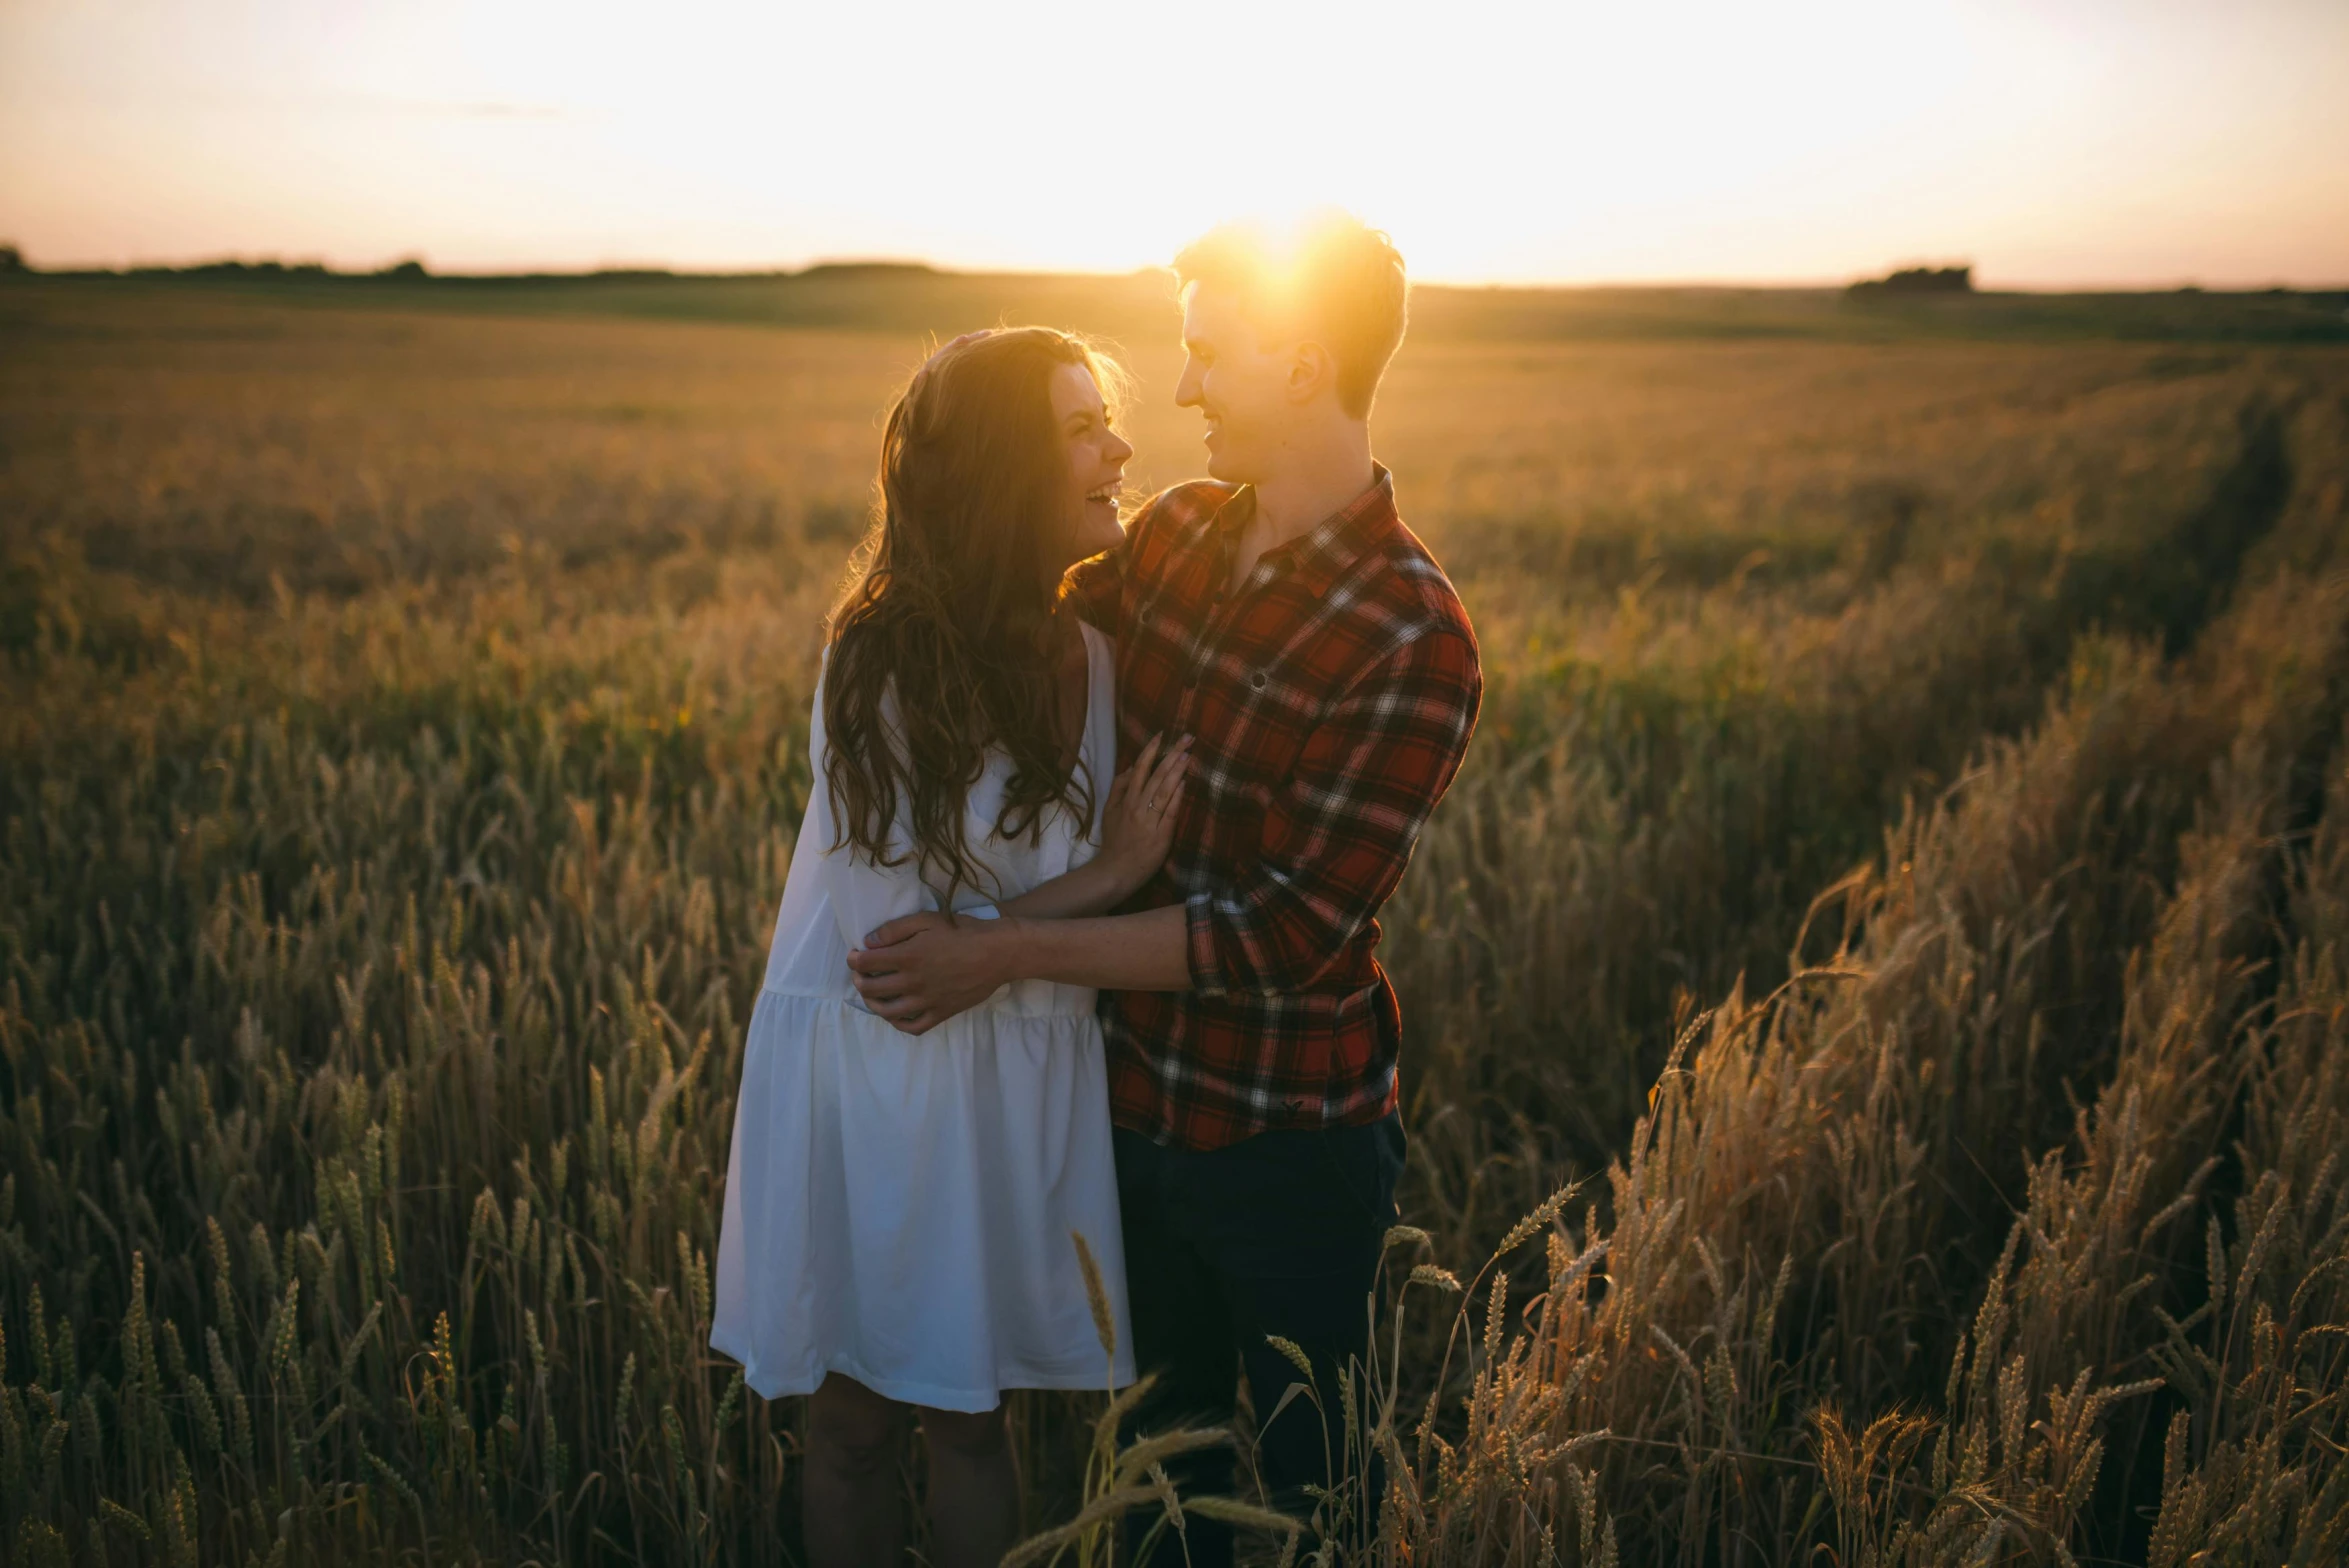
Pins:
x,y
851,1503
974,1488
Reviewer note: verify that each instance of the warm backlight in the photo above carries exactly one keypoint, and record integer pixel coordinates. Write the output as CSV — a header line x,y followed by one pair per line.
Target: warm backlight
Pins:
x,y
2095,141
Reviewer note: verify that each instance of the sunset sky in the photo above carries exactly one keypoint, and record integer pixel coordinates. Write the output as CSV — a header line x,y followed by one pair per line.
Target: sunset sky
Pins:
x,y
2064,142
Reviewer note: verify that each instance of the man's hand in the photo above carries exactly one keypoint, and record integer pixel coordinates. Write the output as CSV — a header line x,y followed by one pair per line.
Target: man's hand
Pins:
x,y
917,971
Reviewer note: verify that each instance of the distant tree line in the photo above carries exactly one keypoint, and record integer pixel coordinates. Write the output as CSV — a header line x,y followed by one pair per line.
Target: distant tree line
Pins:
x,y
409,270
1920,280
413,270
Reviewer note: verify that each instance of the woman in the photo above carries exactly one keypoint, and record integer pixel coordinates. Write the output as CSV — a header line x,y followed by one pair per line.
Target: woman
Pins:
x,y
899,1209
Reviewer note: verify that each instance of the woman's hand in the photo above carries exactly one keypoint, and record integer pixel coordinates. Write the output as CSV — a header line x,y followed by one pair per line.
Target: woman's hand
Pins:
x,y
1137,822
1137,827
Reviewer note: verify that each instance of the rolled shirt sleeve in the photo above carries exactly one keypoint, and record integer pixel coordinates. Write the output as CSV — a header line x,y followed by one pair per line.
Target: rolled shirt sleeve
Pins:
x,y
1339,829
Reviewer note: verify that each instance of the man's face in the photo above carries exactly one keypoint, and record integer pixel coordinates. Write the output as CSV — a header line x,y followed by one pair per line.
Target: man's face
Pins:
x,y
1241,383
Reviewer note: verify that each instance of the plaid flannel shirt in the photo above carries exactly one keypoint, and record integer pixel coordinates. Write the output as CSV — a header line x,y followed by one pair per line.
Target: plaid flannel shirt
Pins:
x,y
1329,698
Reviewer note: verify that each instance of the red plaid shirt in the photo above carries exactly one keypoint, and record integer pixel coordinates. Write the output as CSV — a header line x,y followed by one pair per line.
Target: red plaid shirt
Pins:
x,y
1329,699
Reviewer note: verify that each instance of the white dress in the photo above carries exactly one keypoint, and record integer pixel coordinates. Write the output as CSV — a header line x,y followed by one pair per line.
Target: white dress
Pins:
x,y
899,1209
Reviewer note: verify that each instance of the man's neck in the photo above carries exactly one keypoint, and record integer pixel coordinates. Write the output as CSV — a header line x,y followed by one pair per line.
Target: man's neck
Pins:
x,y
1313,480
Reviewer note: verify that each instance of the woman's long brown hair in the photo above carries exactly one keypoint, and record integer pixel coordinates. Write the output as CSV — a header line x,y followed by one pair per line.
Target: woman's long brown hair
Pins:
x,y
953,616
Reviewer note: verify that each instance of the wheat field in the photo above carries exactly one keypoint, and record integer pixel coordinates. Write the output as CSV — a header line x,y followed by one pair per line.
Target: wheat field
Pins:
x,y
1877,1001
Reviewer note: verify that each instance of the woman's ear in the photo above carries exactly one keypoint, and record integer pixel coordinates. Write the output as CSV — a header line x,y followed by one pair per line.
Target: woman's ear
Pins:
x,y
1311,370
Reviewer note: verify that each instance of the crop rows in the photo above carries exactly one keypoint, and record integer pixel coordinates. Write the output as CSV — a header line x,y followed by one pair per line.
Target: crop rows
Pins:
x,y
1905,913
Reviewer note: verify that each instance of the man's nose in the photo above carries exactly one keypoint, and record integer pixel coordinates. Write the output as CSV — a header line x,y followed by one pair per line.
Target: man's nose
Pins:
x,y
1187,389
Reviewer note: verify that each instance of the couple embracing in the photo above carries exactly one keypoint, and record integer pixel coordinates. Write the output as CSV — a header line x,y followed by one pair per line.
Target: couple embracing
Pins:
x,y
1018,991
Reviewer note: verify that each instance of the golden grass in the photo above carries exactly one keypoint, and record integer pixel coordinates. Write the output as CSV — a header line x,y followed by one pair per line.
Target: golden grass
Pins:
x,y
1898,860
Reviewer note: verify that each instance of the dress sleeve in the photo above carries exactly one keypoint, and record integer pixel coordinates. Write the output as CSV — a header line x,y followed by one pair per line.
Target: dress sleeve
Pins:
x,y
863,893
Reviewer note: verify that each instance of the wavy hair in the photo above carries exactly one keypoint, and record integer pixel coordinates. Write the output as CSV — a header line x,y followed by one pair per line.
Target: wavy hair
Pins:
x,y
951,618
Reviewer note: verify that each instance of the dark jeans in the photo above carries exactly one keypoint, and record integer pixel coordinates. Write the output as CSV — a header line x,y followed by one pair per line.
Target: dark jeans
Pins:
x,y
1278,1234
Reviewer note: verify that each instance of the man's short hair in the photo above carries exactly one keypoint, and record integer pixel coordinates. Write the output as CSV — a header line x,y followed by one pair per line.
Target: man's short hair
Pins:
x,y
1339,283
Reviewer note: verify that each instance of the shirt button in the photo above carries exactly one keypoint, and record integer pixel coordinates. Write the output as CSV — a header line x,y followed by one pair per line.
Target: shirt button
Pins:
x,y
1257,680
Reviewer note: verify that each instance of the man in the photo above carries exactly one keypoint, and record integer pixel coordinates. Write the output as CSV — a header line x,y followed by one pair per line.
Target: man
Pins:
x,y
1281,615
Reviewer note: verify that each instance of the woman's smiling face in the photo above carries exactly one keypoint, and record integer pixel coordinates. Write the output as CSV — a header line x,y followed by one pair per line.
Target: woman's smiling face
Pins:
x,y
1096,462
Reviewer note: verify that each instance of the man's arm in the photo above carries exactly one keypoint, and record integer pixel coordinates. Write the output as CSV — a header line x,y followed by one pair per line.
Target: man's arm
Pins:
x,y
1340,830
921,970
1336,838
1140,952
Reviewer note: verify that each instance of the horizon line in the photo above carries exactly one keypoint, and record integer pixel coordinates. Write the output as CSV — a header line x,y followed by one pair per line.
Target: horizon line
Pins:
x,y
415,265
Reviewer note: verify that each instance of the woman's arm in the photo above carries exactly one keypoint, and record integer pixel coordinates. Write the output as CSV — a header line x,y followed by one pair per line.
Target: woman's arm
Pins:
x,y
1090,889
959,952
1137,828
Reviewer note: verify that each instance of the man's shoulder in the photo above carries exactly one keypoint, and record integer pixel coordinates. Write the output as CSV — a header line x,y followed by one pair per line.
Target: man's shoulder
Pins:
x,y
1182,504
1421,589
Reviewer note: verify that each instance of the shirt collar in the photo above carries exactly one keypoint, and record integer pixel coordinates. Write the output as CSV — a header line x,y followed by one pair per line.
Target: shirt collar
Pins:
x,y
1333,544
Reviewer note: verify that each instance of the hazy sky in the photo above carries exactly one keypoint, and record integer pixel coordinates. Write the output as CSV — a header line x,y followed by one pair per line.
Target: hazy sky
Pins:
x,y
2051,143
